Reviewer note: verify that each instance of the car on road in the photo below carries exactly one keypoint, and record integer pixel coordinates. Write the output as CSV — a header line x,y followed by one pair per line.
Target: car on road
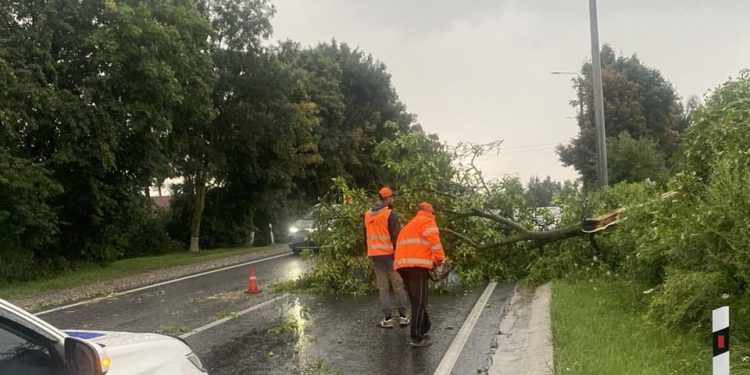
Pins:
x,y
31,346
299,232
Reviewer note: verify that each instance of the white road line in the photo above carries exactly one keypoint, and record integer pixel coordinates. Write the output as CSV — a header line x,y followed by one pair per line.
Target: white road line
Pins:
x,y
451,356
232,316
117,294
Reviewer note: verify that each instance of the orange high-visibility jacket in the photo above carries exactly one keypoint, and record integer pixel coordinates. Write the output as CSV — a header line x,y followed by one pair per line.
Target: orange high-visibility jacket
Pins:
x,y
377,235
418,243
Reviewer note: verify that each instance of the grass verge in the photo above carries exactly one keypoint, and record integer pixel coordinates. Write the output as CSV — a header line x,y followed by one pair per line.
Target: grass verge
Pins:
x,y
88,273
597,329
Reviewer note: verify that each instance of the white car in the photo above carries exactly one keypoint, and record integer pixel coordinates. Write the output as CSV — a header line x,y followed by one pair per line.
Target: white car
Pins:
x,y
31,346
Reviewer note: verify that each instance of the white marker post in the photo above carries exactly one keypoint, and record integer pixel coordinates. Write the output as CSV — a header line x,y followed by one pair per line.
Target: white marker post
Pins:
x,y
720,338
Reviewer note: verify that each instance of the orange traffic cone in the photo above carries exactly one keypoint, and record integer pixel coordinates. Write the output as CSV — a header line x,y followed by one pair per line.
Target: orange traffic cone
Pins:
x,y
252,284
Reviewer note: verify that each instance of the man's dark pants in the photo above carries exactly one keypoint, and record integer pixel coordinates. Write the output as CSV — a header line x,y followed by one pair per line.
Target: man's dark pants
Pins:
x,y
415,280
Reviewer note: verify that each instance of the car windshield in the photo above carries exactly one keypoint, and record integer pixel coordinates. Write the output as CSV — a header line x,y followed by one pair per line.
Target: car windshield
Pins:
x,y
310,215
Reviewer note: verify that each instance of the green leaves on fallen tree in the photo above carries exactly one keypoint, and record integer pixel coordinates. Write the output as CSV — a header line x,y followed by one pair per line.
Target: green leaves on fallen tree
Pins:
x,y
488,228
719,130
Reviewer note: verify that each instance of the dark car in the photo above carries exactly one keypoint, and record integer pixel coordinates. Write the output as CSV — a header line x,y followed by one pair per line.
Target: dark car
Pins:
x,y
299,232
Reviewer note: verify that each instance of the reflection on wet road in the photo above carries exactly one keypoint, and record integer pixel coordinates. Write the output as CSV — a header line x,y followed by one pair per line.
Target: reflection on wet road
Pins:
x,y
305,334
293,334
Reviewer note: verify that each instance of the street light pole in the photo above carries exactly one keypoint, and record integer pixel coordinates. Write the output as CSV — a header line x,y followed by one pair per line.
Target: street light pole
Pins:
x,y
596,70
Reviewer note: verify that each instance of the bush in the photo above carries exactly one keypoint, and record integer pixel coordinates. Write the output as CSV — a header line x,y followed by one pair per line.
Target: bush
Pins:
x,y
18,265
687,298
150,237
28,222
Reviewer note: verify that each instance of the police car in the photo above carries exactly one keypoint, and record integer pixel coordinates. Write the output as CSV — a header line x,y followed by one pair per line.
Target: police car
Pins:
x,y
31,346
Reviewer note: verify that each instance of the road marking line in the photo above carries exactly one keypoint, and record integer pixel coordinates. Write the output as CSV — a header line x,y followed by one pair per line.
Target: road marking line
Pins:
x,y
117,294
451,356
232,316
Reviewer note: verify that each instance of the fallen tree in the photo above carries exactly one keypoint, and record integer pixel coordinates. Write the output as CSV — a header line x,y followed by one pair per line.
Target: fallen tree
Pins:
x,y
449,179
536,238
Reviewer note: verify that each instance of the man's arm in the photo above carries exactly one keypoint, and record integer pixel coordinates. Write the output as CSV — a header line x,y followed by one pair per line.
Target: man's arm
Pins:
x,y
364,234
432,234
394,227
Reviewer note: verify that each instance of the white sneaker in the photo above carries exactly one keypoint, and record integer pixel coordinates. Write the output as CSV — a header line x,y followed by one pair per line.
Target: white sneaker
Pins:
x,y
386,323
404,320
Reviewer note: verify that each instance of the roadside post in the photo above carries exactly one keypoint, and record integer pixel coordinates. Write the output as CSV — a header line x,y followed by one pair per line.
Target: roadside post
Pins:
x,y
720,339
270,230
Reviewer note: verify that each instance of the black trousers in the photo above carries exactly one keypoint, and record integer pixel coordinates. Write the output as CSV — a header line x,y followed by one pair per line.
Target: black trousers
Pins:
x,y
415,280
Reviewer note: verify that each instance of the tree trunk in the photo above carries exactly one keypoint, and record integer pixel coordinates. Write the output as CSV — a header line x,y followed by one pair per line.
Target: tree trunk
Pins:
x,y
532,237
198,206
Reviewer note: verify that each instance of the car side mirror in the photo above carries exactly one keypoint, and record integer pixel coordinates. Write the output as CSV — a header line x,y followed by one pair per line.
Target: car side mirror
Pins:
x,y
85,358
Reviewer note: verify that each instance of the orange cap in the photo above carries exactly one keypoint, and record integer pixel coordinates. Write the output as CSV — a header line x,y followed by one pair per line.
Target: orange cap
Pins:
x,y
385,192
424,206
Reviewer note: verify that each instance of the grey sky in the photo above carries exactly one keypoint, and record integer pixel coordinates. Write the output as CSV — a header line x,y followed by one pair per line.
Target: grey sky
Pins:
x,y
479,70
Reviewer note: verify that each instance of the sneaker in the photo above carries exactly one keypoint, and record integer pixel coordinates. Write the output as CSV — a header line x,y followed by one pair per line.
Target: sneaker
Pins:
x,y
404,320
420,344
386,323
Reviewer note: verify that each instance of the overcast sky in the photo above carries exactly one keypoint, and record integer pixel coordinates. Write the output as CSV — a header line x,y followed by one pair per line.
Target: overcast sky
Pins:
x,y
479,70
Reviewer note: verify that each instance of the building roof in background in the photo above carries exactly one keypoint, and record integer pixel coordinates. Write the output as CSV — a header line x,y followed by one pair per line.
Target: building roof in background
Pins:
x,y
162,202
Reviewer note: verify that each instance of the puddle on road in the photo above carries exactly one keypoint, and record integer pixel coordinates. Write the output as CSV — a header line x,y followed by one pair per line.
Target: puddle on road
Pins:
x,y
291,271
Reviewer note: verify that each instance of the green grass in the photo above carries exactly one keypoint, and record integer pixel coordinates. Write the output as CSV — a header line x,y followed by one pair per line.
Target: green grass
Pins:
x,y
88,273
597,330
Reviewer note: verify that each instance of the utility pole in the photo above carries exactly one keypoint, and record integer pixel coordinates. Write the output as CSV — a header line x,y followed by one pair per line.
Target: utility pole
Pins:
x,y
596,73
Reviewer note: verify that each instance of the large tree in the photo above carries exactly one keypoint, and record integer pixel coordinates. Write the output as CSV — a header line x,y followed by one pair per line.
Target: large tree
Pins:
x,y
267,125
638,101
238,26
241,163
358,108
95,88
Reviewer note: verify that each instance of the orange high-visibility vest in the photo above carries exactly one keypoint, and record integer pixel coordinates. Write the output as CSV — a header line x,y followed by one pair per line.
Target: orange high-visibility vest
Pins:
x,y
376,229
418,243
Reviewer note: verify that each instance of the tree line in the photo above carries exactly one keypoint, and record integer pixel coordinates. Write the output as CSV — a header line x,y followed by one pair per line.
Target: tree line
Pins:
x,y
104,99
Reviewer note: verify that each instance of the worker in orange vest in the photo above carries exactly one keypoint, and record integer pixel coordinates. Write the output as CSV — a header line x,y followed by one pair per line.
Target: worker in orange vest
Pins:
x,y
418,251
381,231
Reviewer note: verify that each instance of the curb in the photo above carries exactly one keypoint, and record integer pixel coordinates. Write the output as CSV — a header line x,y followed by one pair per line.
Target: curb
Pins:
x,y
524,341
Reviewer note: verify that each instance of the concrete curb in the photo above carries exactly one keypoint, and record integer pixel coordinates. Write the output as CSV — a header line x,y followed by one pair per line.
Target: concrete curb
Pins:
x,y
524,341
540,349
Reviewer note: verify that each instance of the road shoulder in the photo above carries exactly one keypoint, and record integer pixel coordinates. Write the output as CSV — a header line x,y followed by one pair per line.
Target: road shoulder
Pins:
x,y
524,341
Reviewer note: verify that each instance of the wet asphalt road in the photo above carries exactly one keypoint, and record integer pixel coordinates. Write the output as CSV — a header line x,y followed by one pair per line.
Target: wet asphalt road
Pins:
x,y
180,306
294,335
